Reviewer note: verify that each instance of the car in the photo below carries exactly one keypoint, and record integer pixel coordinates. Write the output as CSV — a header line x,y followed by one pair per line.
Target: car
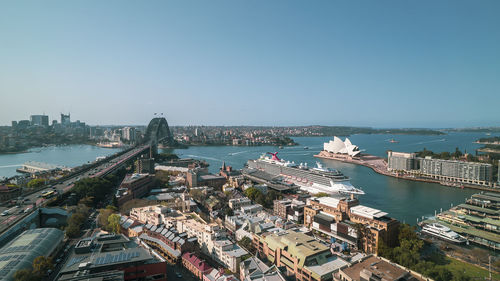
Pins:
x,y
58,260
4,213
178,274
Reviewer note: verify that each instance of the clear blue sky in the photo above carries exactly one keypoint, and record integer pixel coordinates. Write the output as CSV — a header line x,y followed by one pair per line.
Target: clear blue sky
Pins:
x,y
256,62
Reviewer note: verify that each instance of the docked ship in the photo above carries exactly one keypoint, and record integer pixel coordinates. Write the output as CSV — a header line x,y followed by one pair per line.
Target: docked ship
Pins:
x,y
313,180
443,232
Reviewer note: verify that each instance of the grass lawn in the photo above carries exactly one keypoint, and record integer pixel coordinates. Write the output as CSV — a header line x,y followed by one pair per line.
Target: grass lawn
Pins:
x,y
470,270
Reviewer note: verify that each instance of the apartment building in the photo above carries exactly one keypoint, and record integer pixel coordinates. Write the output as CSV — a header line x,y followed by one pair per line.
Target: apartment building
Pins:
x,y
439,169
301,255
348,221
237,203
289,209
157,214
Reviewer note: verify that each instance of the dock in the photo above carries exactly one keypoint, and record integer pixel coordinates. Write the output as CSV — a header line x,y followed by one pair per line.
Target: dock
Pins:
x,y
32,167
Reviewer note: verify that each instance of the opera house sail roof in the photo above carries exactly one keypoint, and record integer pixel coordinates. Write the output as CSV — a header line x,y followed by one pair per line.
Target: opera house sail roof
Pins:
x,y
341,147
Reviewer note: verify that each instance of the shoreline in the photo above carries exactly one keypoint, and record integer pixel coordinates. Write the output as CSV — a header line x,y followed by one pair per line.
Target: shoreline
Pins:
x,y
379,165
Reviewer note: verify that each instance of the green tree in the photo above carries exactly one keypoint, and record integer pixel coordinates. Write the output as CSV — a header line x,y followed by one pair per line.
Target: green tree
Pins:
x,y
34,183
114,223
41,265
321,194
26,274
246,243
72,231
229,212
252,193
113,208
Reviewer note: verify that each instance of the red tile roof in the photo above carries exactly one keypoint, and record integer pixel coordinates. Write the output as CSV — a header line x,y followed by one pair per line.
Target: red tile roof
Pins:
x,y
197,262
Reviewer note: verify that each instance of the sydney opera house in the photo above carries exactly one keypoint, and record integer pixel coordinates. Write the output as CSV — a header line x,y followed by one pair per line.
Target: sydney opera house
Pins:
x,y
337,146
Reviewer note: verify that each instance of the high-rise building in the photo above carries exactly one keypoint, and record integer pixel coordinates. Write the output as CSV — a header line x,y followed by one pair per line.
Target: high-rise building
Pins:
x,y
442,170
39,120
65,119
128,133
401,161
457,171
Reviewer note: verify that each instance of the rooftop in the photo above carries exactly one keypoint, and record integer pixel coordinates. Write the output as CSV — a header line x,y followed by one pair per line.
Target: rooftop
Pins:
x,y
378,267
298,245
197,262
367,212
332,264
129,178
107,250
20,252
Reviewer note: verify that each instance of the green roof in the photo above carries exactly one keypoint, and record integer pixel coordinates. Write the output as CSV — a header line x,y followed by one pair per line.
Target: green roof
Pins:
x,y
479,209
486,197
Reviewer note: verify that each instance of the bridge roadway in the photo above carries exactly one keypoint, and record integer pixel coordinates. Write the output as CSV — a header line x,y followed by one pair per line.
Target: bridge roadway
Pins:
x,y
35,199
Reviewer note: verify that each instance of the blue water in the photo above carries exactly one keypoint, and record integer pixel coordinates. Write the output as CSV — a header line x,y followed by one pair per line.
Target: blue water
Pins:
x,y
67,155
402,199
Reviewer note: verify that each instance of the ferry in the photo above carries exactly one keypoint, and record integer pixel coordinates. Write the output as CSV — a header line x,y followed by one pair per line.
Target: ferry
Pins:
x,y
313,180
443,232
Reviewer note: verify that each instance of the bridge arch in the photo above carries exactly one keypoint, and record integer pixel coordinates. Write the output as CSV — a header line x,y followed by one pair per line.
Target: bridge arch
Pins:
x,y
158,132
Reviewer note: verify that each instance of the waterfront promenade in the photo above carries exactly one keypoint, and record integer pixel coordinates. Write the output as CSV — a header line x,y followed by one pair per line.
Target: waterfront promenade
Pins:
x,y
379,165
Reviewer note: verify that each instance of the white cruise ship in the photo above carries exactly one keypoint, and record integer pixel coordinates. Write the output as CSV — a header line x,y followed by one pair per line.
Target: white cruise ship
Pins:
x,y
312,180
443,232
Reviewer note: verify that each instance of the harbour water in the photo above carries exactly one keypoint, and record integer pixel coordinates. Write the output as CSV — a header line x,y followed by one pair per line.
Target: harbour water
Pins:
x,y
402,199
66,155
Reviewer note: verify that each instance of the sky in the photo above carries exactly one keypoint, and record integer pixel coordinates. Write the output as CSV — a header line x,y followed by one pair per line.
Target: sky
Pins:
x,y
379,63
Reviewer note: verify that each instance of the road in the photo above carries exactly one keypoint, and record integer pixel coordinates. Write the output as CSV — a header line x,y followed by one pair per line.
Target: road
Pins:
x,y
14,213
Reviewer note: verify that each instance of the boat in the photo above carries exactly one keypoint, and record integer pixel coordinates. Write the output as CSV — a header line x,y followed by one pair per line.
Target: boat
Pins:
x,y
393,141
443,232
313,180
306,147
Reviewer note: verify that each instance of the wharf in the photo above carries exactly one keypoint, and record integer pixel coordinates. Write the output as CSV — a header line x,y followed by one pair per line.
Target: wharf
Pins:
x,y
379,165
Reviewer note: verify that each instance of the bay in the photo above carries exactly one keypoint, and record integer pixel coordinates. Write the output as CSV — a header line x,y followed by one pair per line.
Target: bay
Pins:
x,y
402,199
66,155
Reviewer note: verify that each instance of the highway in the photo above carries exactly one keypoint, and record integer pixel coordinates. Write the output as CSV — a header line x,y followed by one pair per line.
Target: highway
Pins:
x,y
26,204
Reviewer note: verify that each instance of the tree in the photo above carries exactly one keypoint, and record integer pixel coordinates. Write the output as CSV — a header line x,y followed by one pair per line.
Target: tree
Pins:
x,y
321,194
41,265
34,183
114,223
26,274
229,212
72,231
103,218
247,244
252,193
112,208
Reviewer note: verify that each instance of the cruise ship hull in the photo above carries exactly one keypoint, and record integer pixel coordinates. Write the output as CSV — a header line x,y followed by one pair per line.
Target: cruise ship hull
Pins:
x,y
309,180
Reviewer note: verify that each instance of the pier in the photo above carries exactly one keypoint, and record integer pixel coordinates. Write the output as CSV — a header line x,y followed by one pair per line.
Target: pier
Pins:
x,y
32,167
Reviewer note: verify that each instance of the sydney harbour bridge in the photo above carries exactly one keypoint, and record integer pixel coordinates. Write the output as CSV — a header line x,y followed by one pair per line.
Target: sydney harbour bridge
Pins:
x,y
158,133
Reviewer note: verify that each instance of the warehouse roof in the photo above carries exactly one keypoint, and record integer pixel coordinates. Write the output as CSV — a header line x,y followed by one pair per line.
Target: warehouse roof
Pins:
x,y
20,252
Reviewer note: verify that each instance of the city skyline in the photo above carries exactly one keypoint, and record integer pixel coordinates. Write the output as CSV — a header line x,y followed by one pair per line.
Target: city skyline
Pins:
x,y
384,65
